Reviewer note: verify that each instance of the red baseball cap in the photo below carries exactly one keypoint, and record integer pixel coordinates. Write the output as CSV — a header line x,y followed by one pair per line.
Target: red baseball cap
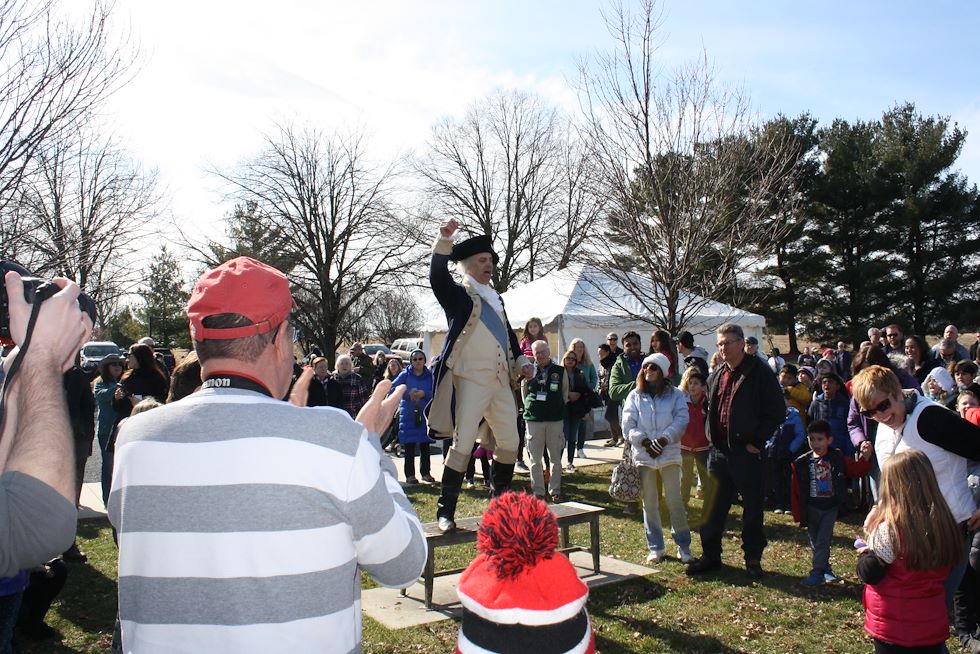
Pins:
x,y
244,286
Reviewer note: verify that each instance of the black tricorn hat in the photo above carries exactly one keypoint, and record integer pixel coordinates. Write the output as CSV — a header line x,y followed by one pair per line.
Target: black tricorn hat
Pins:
x,y
471,246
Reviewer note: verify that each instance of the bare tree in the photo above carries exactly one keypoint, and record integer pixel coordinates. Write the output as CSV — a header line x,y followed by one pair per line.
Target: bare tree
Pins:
x,y
86,205
336,216
687,181
394,314
496,171
55,74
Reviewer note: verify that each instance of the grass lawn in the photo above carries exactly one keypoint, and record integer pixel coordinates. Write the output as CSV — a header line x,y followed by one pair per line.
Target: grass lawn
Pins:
x,y
663,612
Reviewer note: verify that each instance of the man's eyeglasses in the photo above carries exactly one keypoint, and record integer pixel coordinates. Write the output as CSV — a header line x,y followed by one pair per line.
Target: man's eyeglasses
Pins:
x,y
881,406
613,338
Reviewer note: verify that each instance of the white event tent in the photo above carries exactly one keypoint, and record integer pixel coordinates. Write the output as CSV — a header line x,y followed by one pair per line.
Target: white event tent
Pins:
x,y
578,302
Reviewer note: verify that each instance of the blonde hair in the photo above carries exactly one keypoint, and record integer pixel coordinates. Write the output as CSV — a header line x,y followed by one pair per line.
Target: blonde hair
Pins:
x,y
686,377
916,513
585,359
145,404
874,379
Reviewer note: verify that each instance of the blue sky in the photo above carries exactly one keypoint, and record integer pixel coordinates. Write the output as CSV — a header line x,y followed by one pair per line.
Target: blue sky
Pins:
x,y
216,74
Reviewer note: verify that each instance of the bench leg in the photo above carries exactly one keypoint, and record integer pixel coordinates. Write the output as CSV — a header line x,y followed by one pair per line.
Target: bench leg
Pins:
x,y
563,540
594,535
429,576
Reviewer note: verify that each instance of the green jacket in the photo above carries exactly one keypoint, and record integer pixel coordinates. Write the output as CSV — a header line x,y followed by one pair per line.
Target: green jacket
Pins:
x,y
621,380
554,406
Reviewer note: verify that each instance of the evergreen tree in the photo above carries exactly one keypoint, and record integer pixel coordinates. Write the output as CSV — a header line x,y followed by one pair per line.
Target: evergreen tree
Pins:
x,y
164,310
933,217
782,287
850,241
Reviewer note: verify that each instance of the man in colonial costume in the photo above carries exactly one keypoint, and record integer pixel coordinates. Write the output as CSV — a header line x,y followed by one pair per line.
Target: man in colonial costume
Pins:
x,y
480,362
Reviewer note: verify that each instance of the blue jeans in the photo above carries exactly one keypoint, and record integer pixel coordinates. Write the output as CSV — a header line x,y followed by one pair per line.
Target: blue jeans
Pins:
x,y
571,437
820,527
681,533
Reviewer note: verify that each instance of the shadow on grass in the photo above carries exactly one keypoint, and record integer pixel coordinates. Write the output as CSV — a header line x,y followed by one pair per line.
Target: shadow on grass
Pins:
x,y
603,603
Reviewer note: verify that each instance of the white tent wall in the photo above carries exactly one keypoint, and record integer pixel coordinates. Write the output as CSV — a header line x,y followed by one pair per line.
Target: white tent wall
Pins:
x,y
580,303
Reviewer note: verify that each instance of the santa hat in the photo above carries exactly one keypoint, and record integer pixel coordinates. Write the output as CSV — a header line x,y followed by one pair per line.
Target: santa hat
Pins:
x,y
519,594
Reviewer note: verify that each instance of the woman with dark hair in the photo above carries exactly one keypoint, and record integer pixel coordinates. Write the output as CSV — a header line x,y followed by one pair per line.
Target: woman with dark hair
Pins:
x,y
412,428
661,342
143,379
918,352
380,365
110,371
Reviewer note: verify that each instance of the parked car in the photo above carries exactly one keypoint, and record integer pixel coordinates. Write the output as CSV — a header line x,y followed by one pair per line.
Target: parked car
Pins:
x,y
93,352
404,347
372,349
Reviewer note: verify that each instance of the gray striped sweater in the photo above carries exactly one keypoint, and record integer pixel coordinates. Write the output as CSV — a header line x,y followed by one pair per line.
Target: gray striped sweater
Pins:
x,y
244,522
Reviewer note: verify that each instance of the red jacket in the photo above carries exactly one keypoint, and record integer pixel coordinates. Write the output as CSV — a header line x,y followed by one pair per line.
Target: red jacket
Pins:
x,y
907,607
695,439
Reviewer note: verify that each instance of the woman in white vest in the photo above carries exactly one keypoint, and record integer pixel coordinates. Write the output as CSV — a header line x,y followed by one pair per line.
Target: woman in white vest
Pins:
x,y
907,420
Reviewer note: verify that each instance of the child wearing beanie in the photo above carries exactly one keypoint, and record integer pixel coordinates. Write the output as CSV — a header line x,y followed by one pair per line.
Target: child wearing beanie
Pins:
x,y
519,594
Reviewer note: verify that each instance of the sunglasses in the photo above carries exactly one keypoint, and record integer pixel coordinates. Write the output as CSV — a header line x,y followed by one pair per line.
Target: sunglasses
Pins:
x,y
882,406
613,338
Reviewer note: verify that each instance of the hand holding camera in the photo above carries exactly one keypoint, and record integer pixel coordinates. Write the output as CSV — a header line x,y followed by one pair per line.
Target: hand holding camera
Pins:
x,y
654,447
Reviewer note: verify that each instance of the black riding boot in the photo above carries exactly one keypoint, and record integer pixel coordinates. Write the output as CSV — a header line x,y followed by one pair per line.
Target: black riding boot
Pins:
x,y
501,474
452,481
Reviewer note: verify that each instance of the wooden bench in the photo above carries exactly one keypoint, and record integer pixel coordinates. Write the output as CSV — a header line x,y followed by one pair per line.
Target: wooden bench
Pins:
x,y
566,514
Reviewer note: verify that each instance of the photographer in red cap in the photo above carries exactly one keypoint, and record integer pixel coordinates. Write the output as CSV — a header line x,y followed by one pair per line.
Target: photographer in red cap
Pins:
x,y
480,361
244,521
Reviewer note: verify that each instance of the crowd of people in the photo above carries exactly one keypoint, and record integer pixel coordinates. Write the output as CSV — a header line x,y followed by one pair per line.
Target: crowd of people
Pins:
x,y
262,496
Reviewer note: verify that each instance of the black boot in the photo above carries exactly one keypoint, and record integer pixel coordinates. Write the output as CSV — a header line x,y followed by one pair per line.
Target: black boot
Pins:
x,y
452,481
501,474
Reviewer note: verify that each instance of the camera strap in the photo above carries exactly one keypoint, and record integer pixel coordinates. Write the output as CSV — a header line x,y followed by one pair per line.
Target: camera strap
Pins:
x,y
235,380
8,380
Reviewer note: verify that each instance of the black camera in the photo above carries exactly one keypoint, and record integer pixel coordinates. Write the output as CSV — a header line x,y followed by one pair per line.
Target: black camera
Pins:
x,y
35,290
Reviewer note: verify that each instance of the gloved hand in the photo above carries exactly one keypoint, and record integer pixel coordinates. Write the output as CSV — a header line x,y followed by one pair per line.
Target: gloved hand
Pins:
x,y
655,447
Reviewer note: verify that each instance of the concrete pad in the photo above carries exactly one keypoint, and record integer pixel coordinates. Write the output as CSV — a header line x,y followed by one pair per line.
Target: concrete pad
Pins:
x,y
90,502
387,606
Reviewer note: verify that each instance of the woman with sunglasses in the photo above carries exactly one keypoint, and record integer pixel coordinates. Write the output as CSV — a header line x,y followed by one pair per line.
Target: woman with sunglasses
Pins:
x,y
907,420
655,417
412,426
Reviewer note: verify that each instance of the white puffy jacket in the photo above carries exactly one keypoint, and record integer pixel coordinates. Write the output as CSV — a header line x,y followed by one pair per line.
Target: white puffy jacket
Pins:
x,y
646,416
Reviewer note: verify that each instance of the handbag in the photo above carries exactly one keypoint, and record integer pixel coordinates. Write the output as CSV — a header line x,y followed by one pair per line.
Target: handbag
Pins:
x,y
625,484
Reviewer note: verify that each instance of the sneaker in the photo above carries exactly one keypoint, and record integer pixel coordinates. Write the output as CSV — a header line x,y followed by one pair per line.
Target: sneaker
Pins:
x,y
411,481
580,453
813,579
470,484
428,479
702,565
684,554
655,556
556,498
612,442
521,466
569,468
778,511
754,568
829,576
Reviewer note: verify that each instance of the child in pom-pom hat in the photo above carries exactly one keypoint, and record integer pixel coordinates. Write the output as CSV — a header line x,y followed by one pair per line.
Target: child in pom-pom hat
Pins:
x,y
519,594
